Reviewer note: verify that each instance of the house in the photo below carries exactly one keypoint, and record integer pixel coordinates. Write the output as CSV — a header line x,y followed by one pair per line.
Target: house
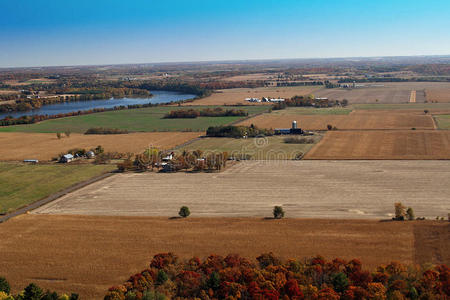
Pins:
x,y
66,158
168,157
33,161
276,100
252,99
90,154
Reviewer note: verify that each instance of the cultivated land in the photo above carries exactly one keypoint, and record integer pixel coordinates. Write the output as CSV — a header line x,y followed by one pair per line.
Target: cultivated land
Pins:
x,y
443,121
143,119
358,120
389,92
238,95
312,189
438,95
401,144
45,146
22,184
263,148
88,254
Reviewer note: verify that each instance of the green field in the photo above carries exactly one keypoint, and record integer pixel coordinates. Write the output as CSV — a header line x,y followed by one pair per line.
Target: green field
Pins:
x,y
22,184
143,119
313,111
443,121
264,148
402,106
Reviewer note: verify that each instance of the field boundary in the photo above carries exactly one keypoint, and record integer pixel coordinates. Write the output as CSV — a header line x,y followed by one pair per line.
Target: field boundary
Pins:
x,y
53,197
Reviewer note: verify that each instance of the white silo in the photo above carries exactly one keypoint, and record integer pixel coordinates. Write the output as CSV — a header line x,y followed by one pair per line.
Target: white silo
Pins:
x,y
294,124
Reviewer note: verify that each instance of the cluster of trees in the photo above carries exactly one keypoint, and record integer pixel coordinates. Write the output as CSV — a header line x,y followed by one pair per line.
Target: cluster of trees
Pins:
x,y
309,101
31,292
102,130
207,112
299,140
237,131
187,160
302,83
234,277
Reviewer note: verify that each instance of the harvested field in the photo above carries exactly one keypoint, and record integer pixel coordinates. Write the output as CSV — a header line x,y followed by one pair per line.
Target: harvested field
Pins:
x,y
252,77
438,95
8,92
402,144
359,120
87,254
45,146
263,148
331,189
237,96
383,92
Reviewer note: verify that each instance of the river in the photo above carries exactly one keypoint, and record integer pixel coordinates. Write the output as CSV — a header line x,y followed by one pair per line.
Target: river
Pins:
x,y
66,107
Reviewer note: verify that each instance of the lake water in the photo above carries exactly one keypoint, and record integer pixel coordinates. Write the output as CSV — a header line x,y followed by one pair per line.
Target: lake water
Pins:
x,y
66,107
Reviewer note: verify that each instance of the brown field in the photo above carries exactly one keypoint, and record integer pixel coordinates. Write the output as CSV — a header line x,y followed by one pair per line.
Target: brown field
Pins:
x,y
45,146
14,82
8,92
307,189
404,144
438,95
383,92
252,77
237,96
88,254
357,120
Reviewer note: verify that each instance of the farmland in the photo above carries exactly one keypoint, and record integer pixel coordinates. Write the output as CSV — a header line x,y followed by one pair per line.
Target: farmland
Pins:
x,y
238,95
354,121
139,120
16,145
387,93
22,184
430,144
439,95
88,254
272,147
443,121
330,189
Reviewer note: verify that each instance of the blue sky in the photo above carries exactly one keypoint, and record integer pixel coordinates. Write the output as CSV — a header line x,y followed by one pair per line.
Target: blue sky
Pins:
x,y
78,32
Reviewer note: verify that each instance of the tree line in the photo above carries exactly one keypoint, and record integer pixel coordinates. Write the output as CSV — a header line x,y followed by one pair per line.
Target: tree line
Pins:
x,y
206,112
235,277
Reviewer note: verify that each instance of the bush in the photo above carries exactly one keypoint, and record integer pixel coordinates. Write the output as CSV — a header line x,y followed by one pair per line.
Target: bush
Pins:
x,y
278,212
399,211
184,212
329,127
4,285
32,292
410,214
162,277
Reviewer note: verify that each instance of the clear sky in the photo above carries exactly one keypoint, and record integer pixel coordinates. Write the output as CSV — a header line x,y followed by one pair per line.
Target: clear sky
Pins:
x,y
77,32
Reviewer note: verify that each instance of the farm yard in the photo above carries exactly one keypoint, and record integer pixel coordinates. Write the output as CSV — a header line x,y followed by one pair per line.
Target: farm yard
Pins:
x,y
357,120
22,184
238,95
135,120
45,146
397,144
88,254
263,148
306,189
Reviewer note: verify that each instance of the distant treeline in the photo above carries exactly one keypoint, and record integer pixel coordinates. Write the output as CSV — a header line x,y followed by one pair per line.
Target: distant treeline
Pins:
x,y
308,101
237,131
303,83
207,112
176,87
8,121
101,130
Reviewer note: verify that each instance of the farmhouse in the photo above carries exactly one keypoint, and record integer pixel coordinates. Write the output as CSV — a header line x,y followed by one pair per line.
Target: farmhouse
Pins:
x,y
293,130
66,158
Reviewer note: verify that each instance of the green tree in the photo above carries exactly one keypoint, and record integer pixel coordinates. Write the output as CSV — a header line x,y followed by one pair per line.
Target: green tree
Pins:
x,y
184,212
4,286
214,281
410,214
278,212
340,282
32,292
161,277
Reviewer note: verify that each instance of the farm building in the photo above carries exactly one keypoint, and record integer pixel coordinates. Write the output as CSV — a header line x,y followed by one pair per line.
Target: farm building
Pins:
x,y
293,130
66,158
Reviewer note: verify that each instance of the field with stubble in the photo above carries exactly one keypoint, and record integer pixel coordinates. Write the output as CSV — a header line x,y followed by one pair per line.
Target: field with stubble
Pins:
x,y
305,188
396,144
356,120
238,95
88,254
45,146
